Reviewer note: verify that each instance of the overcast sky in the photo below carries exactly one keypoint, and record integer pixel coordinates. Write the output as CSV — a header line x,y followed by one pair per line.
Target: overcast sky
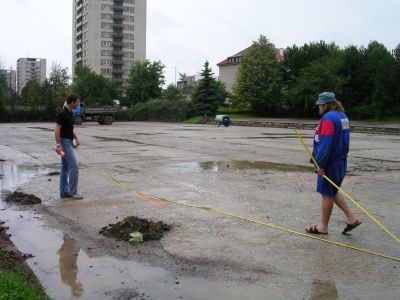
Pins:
x,y
183,34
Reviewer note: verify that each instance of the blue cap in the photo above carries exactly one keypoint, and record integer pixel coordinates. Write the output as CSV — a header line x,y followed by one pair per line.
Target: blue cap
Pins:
x,y
325,98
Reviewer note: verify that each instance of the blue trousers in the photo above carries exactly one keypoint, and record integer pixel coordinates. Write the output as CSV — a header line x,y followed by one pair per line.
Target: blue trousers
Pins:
x,y
69,170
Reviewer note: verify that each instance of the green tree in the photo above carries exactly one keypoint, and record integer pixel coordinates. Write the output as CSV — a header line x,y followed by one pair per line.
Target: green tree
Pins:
x,y
145,81
31,96
94,89
47,98
259,81
357,86
59,86
209,93
380,66
317,77
396,100
297,58
172,93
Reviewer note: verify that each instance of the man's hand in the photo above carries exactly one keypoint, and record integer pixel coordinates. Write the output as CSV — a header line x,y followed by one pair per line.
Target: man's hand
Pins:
x,y
59,150
76,142
321,172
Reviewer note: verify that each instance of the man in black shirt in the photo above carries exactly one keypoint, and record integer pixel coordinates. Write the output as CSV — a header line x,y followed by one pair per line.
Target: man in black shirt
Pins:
x,y
66,141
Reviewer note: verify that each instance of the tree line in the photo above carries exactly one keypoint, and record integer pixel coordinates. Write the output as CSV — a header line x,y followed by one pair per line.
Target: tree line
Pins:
x,y
366,80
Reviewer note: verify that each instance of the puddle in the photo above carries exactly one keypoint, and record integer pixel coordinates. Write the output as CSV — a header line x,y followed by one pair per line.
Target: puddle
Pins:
x,y
323,290
66,271
13,175
42,128
223,166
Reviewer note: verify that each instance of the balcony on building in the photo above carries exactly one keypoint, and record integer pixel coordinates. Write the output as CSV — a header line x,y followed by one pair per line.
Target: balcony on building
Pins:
x,y
118,17
118,25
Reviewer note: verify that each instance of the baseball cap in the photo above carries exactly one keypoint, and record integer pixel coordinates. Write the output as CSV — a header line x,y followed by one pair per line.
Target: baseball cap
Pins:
x,y
325,98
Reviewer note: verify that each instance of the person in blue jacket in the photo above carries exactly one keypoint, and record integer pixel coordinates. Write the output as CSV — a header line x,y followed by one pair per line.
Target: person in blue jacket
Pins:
x,y
331,146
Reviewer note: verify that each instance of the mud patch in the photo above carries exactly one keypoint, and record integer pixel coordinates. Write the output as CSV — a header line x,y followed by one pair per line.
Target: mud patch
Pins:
x,y
42,128
55,173
108,139
122,230
21,198
10,257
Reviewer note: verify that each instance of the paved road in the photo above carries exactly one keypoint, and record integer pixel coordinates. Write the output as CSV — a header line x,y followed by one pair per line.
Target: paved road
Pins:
x,y
256,172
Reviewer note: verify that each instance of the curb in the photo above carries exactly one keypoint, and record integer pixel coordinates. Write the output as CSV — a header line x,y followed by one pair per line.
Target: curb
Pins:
x,y
354,128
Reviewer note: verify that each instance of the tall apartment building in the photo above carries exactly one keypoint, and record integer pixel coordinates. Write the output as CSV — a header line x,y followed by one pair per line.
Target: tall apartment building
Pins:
x,y
30,69
108,35
11,78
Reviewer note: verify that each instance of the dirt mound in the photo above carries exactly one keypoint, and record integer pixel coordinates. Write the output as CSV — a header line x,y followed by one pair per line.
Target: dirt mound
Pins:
x,y
122,230
21,198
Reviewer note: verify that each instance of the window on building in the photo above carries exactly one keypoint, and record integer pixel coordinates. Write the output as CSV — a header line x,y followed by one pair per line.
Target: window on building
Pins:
x,y
129,27
128,45
128,36
129,18
129,9
106,16
106,7
106,25
106,34
129,54
105,52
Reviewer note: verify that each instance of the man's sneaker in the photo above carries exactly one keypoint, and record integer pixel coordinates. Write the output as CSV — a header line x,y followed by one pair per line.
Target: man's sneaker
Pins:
x,y
65,196
76,196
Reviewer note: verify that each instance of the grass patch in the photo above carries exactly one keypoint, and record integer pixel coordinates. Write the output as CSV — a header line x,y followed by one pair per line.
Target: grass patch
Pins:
x,y
194,120
16,279
236,116
391,119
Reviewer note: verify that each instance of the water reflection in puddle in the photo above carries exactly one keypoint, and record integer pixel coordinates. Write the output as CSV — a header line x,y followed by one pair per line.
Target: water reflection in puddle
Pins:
x,y
12,175
256,165
238,165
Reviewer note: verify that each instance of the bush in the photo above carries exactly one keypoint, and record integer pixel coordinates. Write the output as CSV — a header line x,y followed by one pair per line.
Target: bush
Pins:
x,y
158,110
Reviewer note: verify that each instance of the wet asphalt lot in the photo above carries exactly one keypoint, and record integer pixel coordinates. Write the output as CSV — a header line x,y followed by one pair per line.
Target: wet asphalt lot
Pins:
x,y
261,174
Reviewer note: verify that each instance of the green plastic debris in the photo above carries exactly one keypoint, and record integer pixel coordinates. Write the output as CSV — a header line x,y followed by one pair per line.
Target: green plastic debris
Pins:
x,y
136,237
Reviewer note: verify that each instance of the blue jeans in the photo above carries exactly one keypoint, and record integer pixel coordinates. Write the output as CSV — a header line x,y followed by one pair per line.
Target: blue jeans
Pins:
x,y
69,170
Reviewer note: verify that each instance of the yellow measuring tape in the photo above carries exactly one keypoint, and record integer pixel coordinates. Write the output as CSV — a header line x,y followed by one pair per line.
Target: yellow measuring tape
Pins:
x,y
344,193
210,209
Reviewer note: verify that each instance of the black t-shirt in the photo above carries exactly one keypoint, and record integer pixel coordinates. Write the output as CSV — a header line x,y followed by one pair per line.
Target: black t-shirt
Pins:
x,y
65,119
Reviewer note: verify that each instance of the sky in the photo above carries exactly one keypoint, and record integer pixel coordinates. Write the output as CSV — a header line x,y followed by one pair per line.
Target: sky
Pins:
x,y
183,34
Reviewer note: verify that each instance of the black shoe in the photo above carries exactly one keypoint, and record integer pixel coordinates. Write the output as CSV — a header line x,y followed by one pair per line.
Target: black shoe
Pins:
x,y
65,196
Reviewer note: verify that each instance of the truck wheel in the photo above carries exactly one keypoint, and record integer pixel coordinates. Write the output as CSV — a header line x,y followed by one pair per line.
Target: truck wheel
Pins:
x,y
108,120
100,121
78,120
